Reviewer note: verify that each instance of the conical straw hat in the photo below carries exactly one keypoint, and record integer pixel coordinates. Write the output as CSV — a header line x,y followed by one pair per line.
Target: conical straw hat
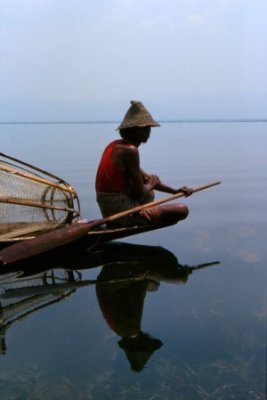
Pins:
x,y
137,116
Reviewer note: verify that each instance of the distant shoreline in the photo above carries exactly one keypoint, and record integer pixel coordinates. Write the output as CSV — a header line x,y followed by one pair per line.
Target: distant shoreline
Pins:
x,y
165,121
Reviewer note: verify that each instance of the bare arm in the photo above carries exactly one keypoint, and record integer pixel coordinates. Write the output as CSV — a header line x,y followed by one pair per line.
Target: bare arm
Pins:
x,y
162,187
142,183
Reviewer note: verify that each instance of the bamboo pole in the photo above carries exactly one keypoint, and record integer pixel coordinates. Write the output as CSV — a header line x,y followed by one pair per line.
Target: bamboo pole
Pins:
x,y
156,202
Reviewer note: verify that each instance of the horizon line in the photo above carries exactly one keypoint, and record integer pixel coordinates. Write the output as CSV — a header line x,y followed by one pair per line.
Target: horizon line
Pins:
x,y
171,120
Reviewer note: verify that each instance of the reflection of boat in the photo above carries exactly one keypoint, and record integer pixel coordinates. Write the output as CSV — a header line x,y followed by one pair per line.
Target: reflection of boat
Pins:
x,y
20,297
128,271
79,255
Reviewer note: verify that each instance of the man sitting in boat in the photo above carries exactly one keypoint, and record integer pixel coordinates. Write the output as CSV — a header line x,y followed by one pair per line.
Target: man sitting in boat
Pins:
x,y
121,184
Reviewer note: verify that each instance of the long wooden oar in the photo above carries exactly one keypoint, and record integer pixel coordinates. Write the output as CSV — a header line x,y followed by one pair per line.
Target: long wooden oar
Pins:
x,y
61,236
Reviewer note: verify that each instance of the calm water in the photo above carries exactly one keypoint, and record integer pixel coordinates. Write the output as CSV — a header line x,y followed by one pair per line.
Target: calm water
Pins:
x,y
197,289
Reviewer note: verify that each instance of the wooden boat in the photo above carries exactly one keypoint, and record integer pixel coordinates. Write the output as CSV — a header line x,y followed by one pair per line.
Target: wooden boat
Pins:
x,y
95,236
47,203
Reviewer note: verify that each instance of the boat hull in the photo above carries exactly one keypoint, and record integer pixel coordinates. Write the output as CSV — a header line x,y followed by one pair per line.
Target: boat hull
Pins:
x,y
97,236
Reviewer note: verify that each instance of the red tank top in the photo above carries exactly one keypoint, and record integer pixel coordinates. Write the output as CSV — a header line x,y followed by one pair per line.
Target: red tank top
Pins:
x,y
108,178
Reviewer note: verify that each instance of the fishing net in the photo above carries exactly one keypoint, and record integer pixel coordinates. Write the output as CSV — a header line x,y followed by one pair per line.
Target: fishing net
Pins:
x,y
32,200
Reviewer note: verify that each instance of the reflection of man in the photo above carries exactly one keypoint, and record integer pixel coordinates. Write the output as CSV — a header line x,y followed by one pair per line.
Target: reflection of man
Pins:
x,y
122,305
129,272
122,301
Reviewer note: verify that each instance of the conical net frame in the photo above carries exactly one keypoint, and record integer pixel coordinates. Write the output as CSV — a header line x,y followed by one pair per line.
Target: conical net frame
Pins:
x,y
33,200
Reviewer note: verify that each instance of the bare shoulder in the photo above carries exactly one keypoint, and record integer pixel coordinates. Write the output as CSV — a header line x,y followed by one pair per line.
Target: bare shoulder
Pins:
x,y
126,151
125,157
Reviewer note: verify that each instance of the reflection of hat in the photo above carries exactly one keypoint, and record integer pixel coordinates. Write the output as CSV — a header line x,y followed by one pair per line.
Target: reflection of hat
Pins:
x,y
137,116
139,349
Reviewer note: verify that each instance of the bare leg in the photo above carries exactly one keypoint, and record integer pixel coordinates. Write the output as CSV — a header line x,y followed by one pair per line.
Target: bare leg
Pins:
x,y
173,213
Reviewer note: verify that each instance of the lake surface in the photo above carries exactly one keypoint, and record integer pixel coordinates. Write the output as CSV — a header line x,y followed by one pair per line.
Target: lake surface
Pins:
x,y
182,314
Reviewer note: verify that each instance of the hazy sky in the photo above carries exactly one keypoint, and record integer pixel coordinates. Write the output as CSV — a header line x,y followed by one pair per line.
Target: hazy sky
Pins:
x,y
86,58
